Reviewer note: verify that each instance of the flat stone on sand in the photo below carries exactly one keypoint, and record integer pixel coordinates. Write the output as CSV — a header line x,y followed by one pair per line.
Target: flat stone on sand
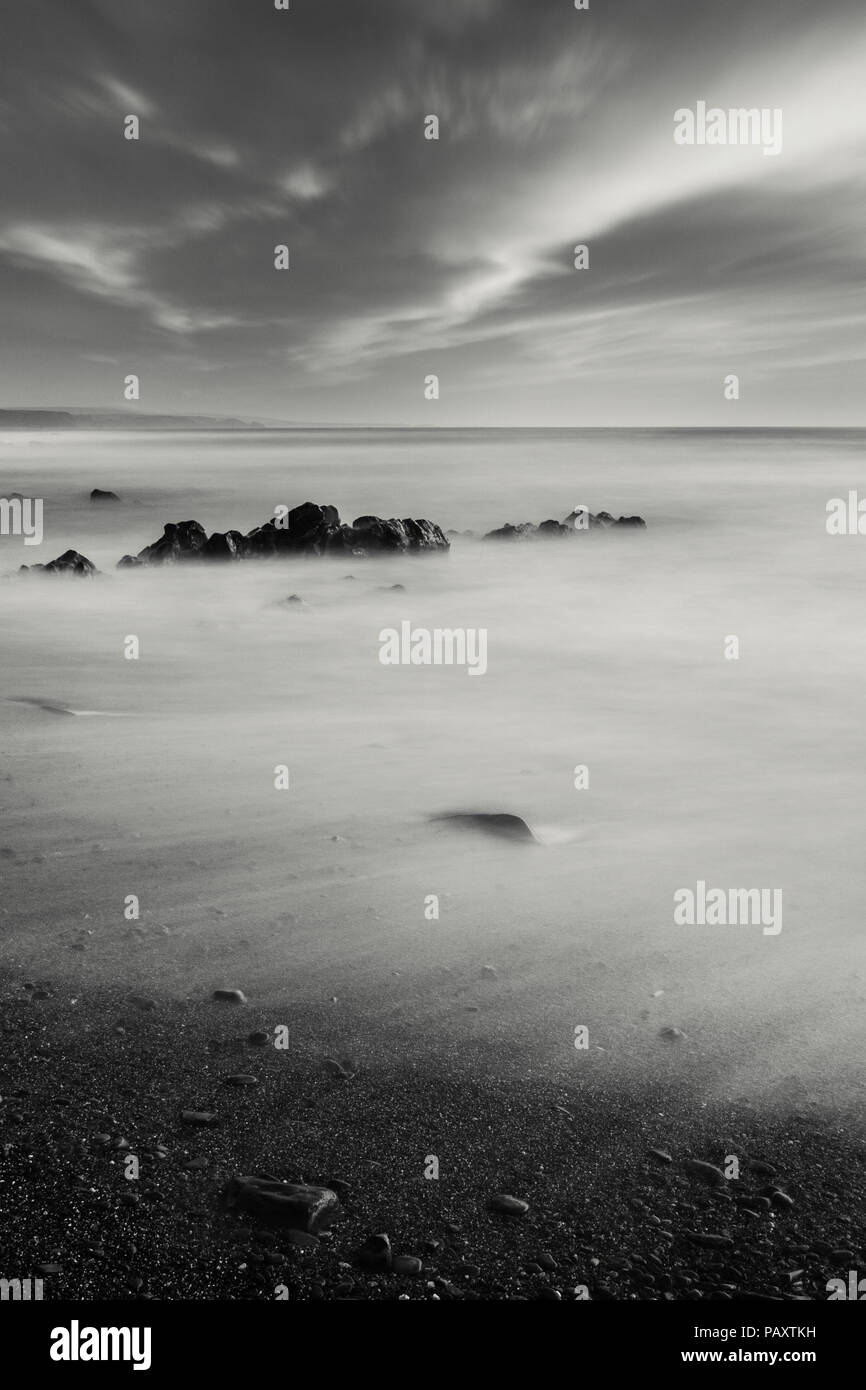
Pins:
x,y
505,1205
298,1206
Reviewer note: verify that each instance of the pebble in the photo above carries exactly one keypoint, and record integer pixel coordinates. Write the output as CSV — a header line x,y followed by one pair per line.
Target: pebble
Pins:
x,y
258,1039
230,996
709,1239
49,1269
375,1253
505,1205
240,1079
405,1264
198,1117
708,1171
662,1155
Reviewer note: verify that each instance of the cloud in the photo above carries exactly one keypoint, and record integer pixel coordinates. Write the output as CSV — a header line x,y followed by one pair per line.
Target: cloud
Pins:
x,y
306,128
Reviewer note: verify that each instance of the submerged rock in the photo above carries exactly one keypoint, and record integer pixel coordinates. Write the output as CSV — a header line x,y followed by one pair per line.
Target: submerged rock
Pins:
x,y
502,825
299,1206
309,529
70,562
581,519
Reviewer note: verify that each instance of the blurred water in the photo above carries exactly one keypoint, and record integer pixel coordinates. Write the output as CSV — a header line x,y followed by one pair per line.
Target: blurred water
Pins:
x,y
607,651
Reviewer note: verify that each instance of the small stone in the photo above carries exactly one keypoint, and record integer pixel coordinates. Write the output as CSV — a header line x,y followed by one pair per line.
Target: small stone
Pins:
x,y
49,1269
757,1165
709,1239
708,1171
240,1079
299,1206
662,1155
782,1199
258,1039
198,1117
140,1001
405,1264
505,1205
375,1253
230,996
672,1034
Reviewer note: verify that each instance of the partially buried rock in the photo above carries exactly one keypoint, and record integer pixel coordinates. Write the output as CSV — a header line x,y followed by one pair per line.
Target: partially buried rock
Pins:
x,y
298,1206
258,1039
98,495
229,996
504,826
202,1118
505,1205
406,1264
240,1079
672,1034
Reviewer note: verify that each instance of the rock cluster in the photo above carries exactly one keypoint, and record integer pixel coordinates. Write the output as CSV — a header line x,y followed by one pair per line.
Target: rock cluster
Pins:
x,y
576,522
309,529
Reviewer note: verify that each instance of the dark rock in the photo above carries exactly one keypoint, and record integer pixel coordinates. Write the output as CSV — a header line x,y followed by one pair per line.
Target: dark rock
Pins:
x,y
228,545
298,1206
523,532
180,541
375,1253
230,996
258,1039
505,1205
491,823
202,1118
406,1264
240,1079
637,521
708,1171
70,562
97,495
662,1155
709,1240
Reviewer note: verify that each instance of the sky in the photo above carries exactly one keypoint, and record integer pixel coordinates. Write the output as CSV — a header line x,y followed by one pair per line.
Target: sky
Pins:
x,y
454,258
